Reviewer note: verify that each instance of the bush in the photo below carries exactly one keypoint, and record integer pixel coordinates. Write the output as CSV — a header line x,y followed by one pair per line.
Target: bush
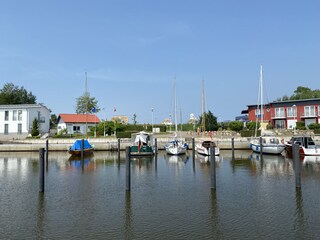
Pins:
x,y
269,126
300,126
35,128
124,134
249,133
252,125
235,126
314,126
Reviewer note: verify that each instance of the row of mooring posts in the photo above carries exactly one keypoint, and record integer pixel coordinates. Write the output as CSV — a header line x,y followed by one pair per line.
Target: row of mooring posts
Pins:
x,y
44,153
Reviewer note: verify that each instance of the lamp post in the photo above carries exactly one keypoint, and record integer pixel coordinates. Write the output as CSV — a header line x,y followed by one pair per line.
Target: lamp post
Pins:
x,y
294,107
152,119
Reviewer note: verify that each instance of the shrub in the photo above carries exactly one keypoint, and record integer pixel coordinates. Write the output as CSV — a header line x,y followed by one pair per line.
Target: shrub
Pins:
x,y
235,126
252,125
35,128
300,126
314,126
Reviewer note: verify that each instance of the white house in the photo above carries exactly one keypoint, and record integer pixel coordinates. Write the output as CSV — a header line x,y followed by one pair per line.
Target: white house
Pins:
x,y
16,120
76,123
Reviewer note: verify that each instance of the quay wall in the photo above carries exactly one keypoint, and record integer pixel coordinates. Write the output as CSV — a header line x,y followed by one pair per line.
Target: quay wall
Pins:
x,y
111,144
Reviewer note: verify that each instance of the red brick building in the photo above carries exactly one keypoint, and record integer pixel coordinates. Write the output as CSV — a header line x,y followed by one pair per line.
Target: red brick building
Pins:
x,y
285,114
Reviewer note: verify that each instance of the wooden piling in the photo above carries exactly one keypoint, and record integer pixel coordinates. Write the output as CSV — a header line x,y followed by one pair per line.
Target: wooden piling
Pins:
x,y
47,154
297,165
232,147
119,146
213,167
193,149
128,169
82,149
41,170
155,146
261,146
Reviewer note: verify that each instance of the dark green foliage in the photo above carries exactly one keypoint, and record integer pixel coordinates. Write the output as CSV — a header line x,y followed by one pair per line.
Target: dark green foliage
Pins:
x,y
11,94
249,133
252,125
211,123
302,93
314,126
124,134
235,126
162,127
301,126
134,119
85,104
269,127
133,128
35,128
53,121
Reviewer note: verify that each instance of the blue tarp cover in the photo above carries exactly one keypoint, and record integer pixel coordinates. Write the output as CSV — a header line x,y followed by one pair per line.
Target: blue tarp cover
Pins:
x,y
77,145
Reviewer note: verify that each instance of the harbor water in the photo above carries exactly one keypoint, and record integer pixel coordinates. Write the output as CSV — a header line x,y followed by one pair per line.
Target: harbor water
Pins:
x,y
170,197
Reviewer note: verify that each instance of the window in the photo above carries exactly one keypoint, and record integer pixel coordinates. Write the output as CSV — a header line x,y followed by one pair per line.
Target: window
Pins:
x,y
19,128
19,115
309,111
76,128
14,115
292,111
6,129
6,115
279,112
258,113
279,124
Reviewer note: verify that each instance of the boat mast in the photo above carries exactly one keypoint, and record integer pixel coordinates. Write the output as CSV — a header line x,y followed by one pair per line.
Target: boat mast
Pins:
x,y
175,106
203,124
261,99
86,96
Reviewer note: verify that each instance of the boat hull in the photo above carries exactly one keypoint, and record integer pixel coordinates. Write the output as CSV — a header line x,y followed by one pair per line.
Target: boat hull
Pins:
x,y
267,149
206,151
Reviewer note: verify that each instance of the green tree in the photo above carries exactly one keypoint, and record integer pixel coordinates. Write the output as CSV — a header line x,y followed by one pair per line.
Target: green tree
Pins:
x,y
11,94
211,123
134,119
235,126
35,128
53,121
85,104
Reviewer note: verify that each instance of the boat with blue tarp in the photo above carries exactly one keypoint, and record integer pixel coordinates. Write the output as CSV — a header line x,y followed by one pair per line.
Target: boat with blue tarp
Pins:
x,y
76,148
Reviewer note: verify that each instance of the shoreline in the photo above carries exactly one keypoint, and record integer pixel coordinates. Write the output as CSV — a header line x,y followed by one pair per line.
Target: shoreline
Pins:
x,y
111,144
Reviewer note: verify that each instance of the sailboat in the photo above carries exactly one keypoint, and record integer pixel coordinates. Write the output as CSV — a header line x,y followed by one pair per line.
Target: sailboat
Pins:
x,y
270,145
175,146
203,147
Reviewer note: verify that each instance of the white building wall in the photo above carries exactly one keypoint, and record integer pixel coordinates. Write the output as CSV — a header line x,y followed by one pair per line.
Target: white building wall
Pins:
x,y
29,112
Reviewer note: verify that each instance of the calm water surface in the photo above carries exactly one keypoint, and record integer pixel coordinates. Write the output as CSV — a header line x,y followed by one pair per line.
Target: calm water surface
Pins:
x,y
170,198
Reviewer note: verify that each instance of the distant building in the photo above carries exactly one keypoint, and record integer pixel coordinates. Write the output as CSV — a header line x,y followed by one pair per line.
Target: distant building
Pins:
x,y
167,122
120,119
286,114
16,119
242,118
193,119
76,123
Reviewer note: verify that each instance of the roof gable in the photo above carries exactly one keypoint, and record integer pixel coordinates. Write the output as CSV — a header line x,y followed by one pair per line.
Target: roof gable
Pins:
x,y
79,118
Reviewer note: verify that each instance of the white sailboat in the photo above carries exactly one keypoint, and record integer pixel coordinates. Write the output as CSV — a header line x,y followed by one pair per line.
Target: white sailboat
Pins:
x,y
203,147
270,145
176,146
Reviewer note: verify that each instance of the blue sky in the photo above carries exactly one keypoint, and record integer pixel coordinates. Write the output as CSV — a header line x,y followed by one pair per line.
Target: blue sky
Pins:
x,y
133,50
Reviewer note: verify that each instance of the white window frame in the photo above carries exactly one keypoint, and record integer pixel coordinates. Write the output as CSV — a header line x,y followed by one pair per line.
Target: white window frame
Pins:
x,y
292,112
309,111
279,112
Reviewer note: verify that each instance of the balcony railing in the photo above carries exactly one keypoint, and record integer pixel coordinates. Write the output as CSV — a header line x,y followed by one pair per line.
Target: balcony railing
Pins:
x,y
308,115
278,116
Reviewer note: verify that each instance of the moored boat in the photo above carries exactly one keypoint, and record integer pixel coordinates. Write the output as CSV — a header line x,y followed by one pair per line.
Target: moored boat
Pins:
x,y
203,148
306,144
142,145
270,145
76,148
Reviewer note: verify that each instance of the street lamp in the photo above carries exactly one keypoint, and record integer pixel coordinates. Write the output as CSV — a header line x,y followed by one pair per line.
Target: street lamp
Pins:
x,y
294,107
152,119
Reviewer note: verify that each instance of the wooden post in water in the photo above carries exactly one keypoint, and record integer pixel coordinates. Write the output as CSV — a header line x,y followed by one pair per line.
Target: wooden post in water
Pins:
x,y
119,149
128,169
193,149
47,154
156,146
213,167
41,170
232,146
297,165
82,149
261,146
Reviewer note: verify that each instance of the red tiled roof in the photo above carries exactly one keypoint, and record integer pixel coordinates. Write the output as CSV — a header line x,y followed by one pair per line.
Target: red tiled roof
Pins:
x,y
79,118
